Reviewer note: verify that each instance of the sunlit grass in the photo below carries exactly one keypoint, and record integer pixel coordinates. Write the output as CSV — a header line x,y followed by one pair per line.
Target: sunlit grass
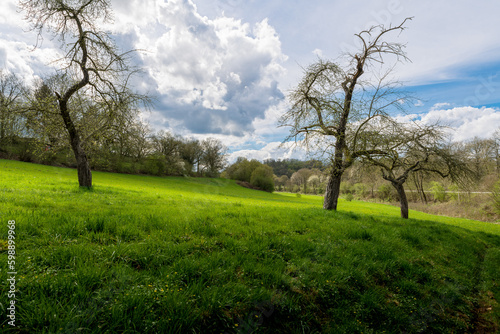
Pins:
x,y
175,255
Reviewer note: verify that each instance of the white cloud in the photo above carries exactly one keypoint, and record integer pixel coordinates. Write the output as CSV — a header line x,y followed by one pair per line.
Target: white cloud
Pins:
x,y
217,75
318,53
8,14
268,125
27,63
200,57
273,150
439,106
466,122
210,75
17,52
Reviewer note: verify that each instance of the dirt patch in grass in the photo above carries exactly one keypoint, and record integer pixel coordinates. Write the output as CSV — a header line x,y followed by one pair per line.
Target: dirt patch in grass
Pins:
x,y
484,323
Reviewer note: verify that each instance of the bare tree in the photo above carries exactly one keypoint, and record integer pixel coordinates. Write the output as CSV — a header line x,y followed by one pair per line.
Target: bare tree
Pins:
x,y
314,182
481,153
408,148
297,179
11,89
330,98
281,182
92,64
305,173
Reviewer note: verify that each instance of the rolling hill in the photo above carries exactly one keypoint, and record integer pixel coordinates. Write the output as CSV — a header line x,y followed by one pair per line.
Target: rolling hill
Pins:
x,y
142,254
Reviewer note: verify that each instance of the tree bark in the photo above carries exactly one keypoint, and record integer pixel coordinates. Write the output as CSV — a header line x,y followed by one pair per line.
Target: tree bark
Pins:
x,y
82,163
403,201
83,167
332,192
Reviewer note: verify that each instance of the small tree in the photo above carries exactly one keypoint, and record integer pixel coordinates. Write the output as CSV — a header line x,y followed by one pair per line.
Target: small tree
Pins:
x,y
168,147
298,180
304,174
406,148
280,181
191,153
214,157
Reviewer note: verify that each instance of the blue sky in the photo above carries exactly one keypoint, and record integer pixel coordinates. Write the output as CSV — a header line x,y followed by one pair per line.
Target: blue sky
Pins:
x,y
223,68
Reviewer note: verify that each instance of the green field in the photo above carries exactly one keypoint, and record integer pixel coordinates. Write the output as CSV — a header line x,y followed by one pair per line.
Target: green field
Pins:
x,y
140,254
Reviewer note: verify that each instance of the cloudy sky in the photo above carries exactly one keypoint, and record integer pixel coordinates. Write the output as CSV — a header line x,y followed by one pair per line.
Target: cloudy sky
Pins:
x,y
223,68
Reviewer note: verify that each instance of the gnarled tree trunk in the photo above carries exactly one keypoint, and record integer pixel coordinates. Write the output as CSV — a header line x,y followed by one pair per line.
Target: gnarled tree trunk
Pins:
x,y
82,163
403,201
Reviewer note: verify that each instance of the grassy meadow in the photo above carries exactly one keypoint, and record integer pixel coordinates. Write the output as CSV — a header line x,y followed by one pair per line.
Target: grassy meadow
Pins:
x,y
143,254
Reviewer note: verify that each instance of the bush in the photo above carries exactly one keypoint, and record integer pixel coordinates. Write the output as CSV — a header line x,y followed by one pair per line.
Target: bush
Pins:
x,y
155,166
348,197
23,151
438,191
262,177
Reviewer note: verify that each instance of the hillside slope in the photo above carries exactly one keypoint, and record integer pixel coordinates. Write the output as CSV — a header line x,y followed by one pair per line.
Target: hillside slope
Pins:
x,y
141,254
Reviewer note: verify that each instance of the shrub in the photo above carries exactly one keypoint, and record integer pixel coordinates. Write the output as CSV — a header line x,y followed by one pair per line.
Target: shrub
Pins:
x,y
262,177
438,191
155,166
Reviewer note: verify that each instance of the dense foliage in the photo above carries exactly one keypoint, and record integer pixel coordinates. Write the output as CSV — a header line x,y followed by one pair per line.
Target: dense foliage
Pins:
x,y
262,178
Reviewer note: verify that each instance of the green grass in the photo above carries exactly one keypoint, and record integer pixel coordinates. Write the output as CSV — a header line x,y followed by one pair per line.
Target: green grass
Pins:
x,y
139,254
